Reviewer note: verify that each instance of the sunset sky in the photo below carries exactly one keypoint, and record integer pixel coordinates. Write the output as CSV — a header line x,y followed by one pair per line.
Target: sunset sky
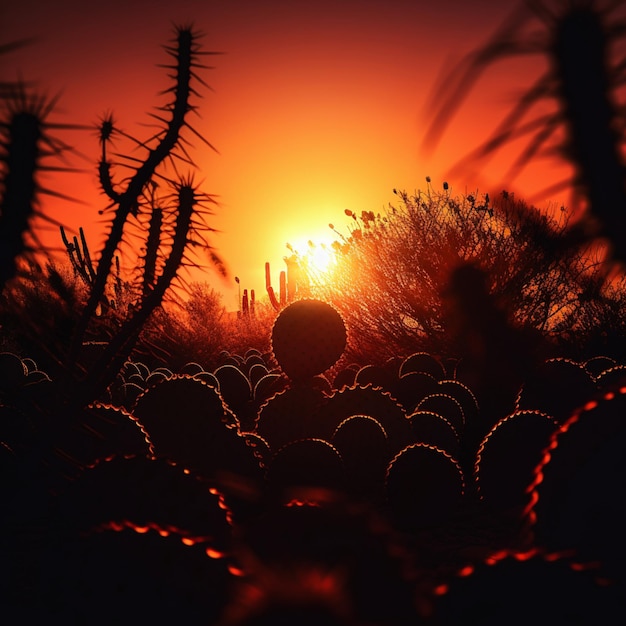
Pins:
x,y
316,107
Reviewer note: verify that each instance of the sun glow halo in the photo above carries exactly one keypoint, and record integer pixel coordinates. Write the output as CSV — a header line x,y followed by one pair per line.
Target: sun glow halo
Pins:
x,y
317,260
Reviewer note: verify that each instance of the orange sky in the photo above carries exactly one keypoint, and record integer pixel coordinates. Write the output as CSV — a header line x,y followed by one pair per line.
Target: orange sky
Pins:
x,y
316,107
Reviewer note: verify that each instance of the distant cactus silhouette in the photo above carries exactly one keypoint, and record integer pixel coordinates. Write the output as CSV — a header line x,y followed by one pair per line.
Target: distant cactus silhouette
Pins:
x,y
289,284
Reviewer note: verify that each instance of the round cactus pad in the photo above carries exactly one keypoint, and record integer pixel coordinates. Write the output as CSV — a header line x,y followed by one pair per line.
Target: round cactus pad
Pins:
x,y
308,337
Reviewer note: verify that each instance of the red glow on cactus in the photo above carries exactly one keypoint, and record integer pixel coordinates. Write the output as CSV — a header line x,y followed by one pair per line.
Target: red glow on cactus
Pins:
x,y
236,571
468,570
141,529
214,554
441,590
164,531
590,405
525,556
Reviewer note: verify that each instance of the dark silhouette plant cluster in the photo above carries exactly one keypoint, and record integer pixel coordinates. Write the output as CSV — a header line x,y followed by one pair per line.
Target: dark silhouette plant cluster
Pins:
x,y
28,147
158,222
268,489
394,277
298,484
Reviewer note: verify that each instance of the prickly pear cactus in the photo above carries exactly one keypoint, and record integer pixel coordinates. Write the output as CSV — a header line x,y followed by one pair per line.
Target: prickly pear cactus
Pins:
x,y
413,387
139,537
304,463
434,429
362,444
188,422
145,574
236,391
378,376
308,337
612,377
446,406
465,396
424,487
508,456
577,494
423,362
558,387
96,432
375,403
292,414
514,587
595,365
345,377
144,491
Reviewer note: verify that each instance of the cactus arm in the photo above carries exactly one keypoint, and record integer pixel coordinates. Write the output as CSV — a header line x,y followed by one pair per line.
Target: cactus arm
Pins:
x,y
119,347
272,297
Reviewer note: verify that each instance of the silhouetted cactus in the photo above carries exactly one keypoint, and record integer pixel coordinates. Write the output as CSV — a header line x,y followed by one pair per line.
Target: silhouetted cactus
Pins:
x,y
519,586
558,387
507,458
423,362
308,337
26,145
599,364
289,285
236,390
576,497
413,387
424,486
80,258
436,430
304,464
291,414
172,222
189,422
368,401
362,444
121,538
446,406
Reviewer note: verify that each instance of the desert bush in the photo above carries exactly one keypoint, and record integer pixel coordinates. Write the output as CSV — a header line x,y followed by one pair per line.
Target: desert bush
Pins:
x,y
393,276
199,328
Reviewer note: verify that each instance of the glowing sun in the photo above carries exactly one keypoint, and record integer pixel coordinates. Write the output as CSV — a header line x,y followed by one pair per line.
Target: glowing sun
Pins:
x,y
316,259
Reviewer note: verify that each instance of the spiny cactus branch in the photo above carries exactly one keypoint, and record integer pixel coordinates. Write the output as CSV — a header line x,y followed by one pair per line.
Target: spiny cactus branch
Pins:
x,y
117,351
126,202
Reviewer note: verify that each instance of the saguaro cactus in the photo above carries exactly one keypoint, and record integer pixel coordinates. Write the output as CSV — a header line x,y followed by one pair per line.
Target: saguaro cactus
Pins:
x,y
288,283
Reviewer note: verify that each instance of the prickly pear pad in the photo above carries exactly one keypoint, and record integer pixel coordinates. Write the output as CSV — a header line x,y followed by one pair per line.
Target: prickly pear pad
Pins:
x,y
308,337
